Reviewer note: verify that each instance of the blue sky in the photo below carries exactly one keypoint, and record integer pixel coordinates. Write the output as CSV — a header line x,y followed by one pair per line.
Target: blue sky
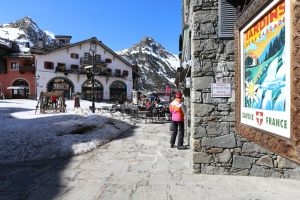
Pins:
x,y
118,23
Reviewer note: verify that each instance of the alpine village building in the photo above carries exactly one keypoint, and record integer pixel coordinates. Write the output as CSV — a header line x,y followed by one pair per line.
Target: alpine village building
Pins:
x,y
16,72
66,67
219,142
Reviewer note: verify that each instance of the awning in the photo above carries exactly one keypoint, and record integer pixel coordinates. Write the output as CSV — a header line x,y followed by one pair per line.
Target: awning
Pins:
x,y
16,87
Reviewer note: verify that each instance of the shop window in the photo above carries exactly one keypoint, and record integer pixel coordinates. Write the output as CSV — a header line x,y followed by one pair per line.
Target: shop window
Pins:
x,y
74,55
226,17
48,65
14,66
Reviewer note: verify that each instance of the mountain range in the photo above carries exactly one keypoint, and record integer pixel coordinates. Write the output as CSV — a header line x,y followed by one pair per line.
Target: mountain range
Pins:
x,y
157,66
25,32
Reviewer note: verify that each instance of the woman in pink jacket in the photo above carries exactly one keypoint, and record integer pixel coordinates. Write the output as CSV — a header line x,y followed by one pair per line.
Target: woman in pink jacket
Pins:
x,y
176,108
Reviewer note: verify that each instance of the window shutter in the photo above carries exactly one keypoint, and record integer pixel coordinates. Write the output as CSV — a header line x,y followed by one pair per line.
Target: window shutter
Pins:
x,y
180,42
226,17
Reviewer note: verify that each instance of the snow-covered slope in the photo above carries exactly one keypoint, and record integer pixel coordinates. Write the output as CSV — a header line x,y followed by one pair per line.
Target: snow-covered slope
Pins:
x,y
24,31
157,66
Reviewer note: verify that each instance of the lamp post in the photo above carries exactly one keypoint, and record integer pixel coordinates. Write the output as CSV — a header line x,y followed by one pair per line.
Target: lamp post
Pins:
x,y
93,50
36,78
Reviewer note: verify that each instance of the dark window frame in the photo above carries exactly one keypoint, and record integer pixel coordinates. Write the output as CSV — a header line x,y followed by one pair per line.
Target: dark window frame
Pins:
x,y
48,65
14,65
74,55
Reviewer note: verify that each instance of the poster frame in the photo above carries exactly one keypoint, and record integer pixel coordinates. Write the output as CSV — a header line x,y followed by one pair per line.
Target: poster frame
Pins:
x,y
289,145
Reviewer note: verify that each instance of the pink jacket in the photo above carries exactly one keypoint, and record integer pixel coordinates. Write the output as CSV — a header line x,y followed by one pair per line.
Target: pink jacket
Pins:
x,y
176,110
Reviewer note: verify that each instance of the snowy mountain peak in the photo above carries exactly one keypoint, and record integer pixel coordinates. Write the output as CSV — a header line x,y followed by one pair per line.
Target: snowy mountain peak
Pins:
x,y
157,65
25,21
148,41
24,31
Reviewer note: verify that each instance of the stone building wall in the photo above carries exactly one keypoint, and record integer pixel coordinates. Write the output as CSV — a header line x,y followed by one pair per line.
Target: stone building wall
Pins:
x,y
215,147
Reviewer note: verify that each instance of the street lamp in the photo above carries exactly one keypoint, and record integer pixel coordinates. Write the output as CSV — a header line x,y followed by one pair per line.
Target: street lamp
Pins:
x,y
36,78
93,50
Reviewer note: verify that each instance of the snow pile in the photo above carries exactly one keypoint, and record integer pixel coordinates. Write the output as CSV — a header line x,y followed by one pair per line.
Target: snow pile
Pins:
x,y
26,136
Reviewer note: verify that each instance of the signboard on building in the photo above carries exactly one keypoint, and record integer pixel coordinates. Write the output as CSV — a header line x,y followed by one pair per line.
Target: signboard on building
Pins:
x,y
265,92
134,97
220,90
60,86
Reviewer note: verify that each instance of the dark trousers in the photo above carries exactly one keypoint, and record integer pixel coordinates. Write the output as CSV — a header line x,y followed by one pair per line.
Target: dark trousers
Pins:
x,y
174,134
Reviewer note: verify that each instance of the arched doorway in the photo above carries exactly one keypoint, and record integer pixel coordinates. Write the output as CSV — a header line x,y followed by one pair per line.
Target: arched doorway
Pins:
x,y
87,90
118,91
61,84
19,89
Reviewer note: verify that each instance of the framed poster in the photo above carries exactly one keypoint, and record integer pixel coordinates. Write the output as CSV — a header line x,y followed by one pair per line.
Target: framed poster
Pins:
x,y
265,70
265,92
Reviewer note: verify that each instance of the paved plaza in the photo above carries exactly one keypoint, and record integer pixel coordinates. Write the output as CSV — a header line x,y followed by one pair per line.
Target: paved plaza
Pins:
x,y
138,165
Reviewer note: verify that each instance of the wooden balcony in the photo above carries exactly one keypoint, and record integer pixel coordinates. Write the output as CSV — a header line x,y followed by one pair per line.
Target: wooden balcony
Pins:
x,y
98,71
88,60
67,71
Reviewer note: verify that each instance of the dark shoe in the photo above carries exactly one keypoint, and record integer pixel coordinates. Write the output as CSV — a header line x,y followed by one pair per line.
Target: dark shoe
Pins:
x,y
172,145
180,147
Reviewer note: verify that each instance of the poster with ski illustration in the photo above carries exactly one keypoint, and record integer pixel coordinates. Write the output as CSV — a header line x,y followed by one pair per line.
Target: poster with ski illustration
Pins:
x,y
265,70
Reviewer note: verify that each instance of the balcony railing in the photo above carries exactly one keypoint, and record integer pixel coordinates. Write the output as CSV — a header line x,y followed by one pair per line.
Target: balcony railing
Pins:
x,y
25,68
69,71
60,69
88,60
85,62
98,71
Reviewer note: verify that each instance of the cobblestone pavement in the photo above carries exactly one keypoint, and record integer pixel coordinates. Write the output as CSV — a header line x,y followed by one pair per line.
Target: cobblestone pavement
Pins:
x,y
138,165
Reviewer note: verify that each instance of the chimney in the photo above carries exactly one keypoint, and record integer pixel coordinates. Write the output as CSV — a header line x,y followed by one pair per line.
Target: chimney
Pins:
x,y
41,44
27,45
62,40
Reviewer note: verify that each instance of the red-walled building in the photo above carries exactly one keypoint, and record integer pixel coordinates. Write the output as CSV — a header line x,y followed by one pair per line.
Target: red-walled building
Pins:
x,y
17,76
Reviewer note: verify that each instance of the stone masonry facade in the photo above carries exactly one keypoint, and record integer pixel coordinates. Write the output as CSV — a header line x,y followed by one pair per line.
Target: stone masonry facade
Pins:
x,y
215,147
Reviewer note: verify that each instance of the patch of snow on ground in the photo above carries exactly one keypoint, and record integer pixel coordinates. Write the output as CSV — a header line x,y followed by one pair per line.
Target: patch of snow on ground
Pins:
x,y
26,136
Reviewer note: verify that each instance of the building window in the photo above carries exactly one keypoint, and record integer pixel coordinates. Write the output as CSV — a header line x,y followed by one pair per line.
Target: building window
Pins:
x,y
108,71
74,68
20,89
14,66
87,92
61,42
61,67
226,19
108,60
48,65
118,73
118,92
74,55
125,73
